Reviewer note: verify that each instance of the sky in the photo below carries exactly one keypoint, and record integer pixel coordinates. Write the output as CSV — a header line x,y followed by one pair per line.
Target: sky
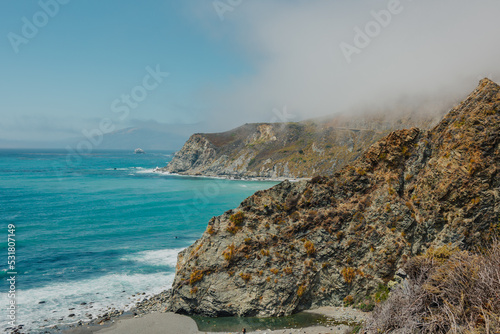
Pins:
x,y
74,67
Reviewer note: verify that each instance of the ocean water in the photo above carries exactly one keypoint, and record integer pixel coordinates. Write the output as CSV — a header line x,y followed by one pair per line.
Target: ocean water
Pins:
x,y
96,231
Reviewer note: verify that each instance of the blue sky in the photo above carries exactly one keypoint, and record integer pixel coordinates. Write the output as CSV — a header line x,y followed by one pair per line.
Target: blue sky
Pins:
x,y
263,56
92,52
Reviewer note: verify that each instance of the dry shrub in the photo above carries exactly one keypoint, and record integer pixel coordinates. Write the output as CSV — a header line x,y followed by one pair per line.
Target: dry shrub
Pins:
x,y
310,249
348,300
210,229
301,290
237,218
349,274
448,291
246,277
229,253
235,222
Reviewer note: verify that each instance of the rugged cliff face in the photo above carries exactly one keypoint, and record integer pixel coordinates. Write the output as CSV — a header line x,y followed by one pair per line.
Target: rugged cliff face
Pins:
x,y
287,150
319,242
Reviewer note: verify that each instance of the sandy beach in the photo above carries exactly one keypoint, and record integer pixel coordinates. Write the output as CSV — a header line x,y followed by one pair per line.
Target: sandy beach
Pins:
x,y
172,323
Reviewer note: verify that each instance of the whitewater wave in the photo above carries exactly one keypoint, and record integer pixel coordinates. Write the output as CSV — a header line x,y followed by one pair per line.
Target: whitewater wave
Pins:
x,y
138,170
164,257
42,308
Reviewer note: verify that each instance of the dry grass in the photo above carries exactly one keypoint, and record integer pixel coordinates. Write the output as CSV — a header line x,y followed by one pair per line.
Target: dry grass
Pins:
x,y
448,291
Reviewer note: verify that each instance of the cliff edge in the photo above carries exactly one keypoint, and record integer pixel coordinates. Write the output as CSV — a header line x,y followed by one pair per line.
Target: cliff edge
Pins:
x,y
288,150
331,239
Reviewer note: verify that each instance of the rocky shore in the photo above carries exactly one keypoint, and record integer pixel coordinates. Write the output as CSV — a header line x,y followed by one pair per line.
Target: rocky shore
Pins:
x,y
232,177
340,239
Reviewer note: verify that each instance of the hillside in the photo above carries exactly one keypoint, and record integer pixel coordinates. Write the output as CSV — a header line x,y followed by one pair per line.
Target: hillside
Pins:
x,y
334,239
289,150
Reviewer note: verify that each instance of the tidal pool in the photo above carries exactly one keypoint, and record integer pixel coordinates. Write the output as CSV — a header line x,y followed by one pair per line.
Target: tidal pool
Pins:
x,y
235,324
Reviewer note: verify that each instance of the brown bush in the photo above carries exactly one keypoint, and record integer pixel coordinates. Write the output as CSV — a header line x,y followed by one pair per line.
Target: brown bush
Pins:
x,y
229,253
237,218
349,274
301,290
246,277
349,300
235,222
310,249
210,229
448,291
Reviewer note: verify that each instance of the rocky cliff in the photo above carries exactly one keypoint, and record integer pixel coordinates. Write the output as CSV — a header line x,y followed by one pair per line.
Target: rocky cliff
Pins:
x,y
288,150
335,238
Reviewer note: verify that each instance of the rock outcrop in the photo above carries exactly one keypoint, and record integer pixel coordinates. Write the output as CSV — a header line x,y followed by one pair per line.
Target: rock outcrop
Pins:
x,y
287,150
319,242
315,243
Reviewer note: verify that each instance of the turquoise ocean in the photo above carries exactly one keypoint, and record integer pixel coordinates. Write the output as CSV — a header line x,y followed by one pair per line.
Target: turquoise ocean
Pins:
x,y
96,231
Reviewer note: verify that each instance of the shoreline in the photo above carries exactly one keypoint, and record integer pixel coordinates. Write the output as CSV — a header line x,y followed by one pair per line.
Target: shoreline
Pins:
x,y
343,319
232,178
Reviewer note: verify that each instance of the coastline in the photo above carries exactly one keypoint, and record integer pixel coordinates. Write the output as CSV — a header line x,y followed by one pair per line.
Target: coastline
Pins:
x,y
232,178
343,318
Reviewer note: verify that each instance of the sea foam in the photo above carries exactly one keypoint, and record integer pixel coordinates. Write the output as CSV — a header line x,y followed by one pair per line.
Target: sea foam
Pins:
x,y
50,305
